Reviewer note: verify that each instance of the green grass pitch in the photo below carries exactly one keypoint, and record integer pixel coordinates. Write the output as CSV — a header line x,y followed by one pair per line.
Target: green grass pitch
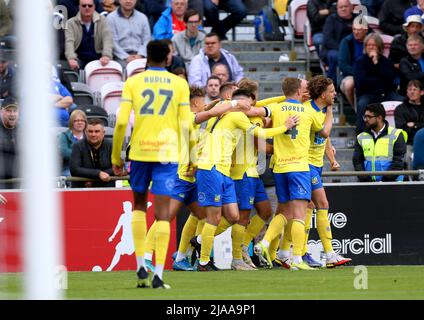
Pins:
x,y
384,282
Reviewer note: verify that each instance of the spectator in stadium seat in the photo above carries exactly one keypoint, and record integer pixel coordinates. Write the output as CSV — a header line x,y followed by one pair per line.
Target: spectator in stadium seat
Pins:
x,y
373,6
221,71
236,9
351,48
374,77
7,78
77,126
409,116
212,88
91,157
73,7
154,8
212,53
62,101
380,147
174,61
131,32
171,21
88,37
412,66
418,162
9,114
391,15
414,10
317,12
337,26
6,21
413,25
188,44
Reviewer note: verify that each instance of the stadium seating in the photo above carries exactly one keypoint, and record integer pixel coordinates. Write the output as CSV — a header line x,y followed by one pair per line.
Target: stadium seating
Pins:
x,y
111,97
390,107
135,66
82,94
297,18
309,46
387,40
97,75
373,23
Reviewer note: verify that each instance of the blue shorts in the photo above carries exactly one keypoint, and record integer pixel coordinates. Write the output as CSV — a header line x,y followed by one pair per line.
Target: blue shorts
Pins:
x,y
184,191
249,191
162,177
293,186
316,173
214,189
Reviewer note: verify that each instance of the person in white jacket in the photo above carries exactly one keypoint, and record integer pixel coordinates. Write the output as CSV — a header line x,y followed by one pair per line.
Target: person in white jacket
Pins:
x,y
212,53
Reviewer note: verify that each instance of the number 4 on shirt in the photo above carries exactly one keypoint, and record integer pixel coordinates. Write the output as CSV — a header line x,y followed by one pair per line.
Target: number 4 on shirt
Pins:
x,y
292,132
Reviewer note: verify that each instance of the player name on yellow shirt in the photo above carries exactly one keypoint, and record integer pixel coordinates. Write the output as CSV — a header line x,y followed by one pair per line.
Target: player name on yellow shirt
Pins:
x,y
156,79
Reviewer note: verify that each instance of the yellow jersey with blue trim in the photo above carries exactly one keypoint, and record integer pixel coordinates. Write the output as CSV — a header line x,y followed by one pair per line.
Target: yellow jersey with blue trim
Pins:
x,y
291,149
161,105
223,138
186,168
317,147
245,157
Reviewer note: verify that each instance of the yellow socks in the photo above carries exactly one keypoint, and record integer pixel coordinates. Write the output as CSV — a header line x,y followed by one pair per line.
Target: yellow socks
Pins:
x,y
162,234
139,230
187,233
298,236
287,238
237,235
150,242
207,242
199,227
275,228
324,229
222,226
253,228
273,246
308,219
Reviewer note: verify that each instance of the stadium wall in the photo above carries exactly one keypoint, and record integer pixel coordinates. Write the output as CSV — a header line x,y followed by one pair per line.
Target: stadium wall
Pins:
x,y
375,224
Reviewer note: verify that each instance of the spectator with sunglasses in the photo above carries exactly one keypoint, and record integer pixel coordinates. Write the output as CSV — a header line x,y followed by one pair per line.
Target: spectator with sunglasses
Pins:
x,y
88,37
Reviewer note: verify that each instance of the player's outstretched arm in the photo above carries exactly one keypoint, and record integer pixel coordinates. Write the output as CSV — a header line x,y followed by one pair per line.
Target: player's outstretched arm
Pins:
x,y
220,109
265,102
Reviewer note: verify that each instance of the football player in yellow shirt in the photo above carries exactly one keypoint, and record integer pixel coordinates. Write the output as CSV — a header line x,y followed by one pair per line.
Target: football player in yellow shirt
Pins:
x,y
215,187
185,186
160,101
322,92
291,171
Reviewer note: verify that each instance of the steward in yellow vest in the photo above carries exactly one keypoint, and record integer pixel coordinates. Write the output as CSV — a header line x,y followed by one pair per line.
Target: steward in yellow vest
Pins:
x,y
380,147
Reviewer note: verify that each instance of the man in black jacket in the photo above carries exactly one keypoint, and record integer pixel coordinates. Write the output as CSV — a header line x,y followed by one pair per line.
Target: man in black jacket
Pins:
x,y
413,25
409,116
337,26
412,66
91,157
9,115
317,12
391,15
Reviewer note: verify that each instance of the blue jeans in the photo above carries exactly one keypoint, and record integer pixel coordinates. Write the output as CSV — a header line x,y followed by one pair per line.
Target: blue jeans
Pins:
x,y
237,11
317,40
367,99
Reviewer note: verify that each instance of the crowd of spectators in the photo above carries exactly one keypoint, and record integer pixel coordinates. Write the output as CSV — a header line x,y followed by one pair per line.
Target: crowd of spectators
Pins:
x,y
352,53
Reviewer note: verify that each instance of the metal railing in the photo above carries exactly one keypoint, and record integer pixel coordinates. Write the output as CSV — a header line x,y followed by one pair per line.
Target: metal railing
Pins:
x,y
62,181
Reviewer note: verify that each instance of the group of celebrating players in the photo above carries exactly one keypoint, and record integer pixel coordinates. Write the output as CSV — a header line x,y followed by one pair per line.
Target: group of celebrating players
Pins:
x,y
205,157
